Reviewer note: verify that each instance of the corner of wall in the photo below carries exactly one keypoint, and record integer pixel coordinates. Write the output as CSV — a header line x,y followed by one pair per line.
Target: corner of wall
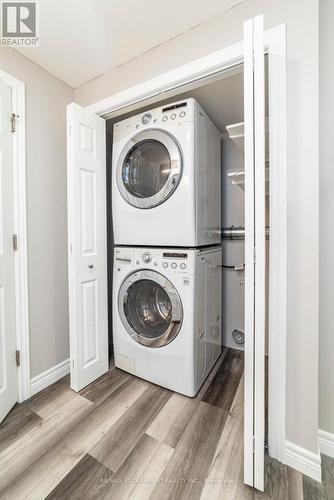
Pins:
x,y
326,443
49,377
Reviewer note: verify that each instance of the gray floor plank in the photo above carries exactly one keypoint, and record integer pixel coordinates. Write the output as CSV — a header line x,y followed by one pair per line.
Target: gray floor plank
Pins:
x,y
313,490
48,406
295,479
117,443
19,422
87,480
157,443
186,471
276,481
212,374
172,420
223,387
34,483
50,394
174,417
18,457
103,387
140,472
225,477
328,476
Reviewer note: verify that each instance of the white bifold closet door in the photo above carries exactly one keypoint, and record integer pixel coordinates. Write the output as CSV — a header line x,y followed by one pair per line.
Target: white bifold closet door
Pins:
x,y
8,369
255,257
87,240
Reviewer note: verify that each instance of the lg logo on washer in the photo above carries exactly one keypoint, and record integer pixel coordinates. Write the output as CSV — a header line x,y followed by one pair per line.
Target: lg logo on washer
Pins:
x,y
19,23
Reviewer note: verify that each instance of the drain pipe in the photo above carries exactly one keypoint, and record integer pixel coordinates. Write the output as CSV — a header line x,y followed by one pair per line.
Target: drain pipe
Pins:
x,y
237,233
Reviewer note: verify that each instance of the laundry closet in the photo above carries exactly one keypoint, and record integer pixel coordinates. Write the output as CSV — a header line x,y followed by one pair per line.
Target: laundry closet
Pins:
x,y
169,212
221,97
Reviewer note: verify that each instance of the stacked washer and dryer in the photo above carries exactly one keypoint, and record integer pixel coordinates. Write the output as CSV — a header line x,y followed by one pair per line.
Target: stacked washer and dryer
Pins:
x,y
166,203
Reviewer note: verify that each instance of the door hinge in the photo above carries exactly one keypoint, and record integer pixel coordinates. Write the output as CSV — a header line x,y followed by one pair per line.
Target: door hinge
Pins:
x,y
18,358
72,363
266,446
254,254
13,118
14,242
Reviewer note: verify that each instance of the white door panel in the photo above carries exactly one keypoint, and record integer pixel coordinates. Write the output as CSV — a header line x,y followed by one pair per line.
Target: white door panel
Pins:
x,y
8,370
254,111
260,259
249,251
87,246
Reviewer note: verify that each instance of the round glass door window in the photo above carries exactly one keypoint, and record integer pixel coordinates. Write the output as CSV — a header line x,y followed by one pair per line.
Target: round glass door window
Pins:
x,y
146,168
149,169
150,309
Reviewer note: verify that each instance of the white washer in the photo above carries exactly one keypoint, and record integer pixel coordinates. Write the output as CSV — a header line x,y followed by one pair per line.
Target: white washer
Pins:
x,y
167,314
166,187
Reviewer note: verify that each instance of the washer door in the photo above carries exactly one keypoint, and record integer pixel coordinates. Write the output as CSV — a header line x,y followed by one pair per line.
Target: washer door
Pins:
x,y
149,168
150,308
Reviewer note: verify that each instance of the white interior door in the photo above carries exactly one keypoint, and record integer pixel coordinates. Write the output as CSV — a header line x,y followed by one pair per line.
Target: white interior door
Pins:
x,y
255,294
8,370
87,239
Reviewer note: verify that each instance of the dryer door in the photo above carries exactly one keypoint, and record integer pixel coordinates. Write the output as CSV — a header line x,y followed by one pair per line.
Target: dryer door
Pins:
x,y
149,168
150,308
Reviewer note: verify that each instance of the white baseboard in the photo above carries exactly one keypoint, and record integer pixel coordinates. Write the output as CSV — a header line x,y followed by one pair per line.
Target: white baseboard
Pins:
x,y
303,460
326,443
50,376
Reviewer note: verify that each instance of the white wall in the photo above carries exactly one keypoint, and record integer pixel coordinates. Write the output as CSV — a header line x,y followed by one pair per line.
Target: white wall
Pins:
x,y
301,17
46,100
326,359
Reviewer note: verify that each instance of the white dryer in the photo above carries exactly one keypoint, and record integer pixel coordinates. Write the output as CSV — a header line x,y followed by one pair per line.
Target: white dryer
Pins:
x,y
167,314
166,187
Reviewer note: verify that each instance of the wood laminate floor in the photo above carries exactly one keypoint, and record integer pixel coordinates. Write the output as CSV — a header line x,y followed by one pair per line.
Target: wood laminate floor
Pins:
x,y
123,438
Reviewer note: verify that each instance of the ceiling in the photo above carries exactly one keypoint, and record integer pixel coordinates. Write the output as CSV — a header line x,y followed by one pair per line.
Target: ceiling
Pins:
x,y
82,39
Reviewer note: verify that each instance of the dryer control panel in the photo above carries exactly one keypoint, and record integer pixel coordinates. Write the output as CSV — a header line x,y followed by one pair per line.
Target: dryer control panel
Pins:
x,y
170,114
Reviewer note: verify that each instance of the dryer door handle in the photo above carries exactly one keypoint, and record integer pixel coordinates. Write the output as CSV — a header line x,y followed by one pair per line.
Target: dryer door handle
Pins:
x,y
173,179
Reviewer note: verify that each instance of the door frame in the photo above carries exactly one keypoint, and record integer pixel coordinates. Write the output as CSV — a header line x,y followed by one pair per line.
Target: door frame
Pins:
x,y
214,63
20,229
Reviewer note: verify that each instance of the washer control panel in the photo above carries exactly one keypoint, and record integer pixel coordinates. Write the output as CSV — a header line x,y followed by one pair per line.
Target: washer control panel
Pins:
x,y
174,260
